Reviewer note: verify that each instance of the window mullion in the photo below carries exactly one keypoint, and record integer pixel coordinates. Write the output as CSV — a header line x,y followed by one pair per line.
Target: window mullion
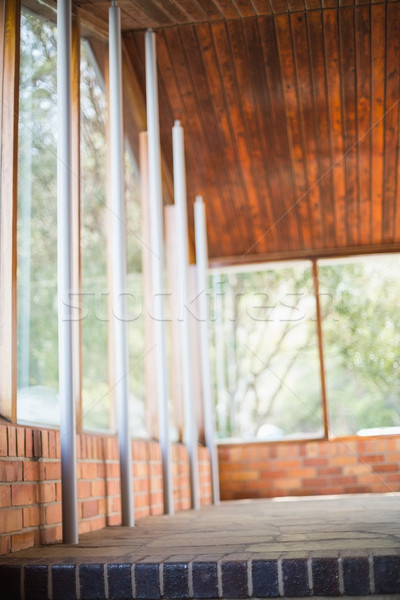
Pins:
x,y
10,24
325,412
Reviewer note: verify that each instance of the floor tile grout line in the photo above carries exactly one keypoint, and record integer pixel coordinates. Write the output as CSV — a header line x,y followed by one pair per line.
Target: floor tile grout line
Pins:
x,y
219,578
22,582
190,578
310,573
49,582
371,573
341,575
133,580
280,577
105,579
77,582
161,578
249,578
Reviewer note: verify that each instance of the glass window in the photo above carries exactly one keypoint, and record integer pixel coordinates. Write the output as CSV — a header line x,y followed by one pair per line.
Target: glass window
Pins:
x,y
135,298
37,224
361,328
266,354
95,290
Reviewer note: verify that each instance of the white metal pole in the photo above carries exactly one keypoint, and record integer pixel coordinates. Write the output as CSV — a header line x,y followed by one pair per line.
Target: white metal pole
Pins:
x,y
202,264
157,246
182,258
151,395
64,248
222,404
175,347
118,253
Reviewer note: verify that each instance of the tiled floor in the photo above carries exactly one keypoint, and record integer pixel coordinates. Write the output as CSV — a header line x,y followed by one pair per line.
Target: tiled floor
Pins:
x,y
325,546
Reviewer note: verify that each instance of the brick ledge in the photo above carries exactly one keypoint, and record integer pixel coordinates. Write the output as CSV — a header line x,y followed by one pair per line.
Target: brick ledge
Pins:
x,y
198,577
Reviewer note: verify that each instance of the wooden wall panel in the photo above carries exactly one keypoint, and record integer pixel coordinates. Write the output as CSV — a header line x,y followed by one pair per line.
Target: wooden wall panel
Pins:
x,y
236,87
331,37
280,142
224,155
207,184
378,45
245,89
348,98
291,124
294,129
309,196
267,171
363,66
392,96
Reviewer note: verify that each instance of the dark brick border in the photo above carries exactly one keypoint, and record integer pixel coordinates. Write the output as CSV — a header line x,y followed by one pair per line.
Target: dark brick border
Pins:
x,y
203,579
64,581
265,578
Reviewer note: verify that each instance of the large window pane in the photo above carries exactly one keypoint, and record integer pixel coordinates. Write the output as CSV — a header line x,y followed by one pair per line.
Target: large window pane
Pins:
x,y
37,224
95,292
266,354
361,327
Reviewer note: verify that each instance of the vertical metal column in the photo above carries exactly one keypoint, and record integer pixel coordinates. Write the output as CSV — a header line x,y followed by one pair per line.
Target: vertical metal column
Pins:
x,y
157,246
151,395
182,258
177,411
64,247
202,263
222,400
118,250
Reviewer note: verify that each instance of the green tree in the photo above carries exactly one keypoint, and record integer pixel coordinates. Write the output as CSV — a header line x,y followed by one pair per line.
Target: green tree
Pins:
x,y
362,342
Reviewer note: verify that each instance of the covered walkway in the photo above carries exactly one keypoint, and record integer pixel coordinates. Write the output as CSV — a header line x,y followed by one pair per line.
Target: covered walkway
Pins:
x,y
327,546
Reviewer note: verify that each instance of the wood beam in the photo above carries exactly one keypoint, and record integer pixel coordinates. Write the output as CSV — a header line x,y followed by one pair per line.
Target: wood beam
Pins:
x,y
253,259
10,17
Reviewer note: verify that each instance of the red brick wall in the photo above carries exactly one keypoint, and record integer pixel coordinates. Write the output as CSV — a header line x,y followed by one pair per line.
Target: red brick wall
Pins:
x,y
341,466
30,483
205,476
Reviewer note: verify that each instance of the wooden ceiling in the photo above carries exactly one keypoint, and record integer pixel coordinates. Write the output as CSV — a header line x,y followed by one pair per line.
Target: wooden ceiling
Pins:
x,y
291,117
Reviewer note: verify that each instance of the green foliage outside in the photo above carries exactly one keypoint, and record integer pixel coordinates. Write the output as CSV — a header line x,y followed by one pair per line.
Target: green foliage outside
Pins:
x,y
362,342
37,241
264,354
267,375
268,384
37,224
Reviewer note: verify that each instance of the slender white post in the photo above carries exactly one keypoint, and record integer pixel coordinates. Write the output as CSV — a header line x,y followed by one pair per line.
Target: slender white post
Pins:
x,y
64,247
157,246
118,249
202,264
151,395
222,404
182,257
175,347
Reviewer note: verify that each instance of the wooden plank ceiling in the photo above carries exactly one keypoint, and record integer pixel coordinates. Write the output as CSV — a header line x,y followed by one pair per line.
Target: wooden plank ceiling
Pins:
x,y
291,117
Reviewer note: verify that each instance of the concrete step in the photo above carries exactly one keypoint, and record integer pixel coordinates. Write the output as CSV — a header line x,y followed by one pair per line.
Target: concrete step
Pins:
x,y
321,547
